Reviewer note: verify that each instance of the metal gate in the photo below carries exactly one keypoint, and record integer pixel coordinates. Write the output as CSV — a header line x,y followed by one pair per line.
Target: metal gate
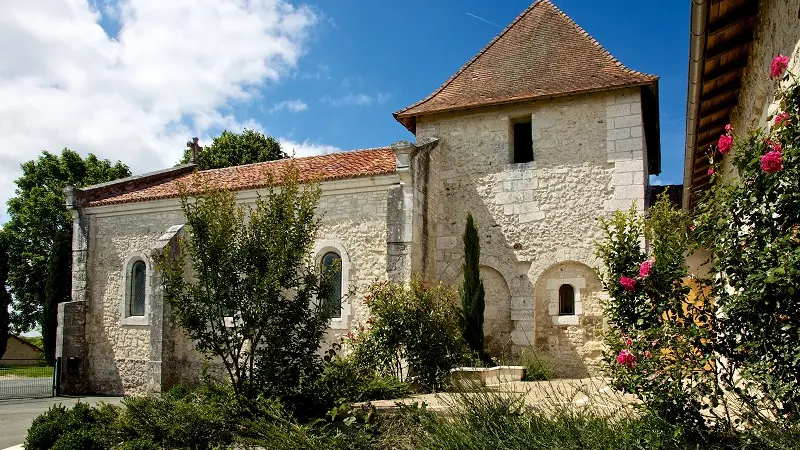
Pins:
x,y
26,378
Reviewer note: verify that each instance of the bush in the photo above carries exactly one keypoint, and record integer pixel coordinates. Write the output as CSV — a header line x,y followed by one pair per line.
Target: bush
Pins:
x,y
350,379
538,366
418,324
80,427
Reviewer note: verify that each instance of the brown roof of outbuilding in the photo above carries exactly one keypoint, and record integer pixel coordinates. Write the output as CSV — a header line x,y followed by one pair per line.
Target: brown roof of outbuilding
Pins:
x,y
352,164
543,53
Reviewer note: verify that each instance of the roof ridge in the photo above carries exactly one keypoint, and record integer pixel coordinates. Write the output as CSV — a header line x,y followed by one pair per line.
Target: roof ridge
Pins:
x,y
276,161
474,58
597,43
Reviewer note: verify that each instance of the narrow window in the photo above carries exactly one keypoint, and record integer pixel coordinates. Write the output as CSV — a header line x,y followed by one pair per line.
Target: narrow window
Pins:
x,y
138,281
332,264
566,300
523,142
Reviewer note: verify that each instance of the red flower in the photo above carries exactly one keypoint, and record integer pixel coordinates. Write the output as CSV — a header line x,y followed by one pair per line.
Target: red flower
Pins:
x,y
626,358
782,119
627,283
779,64
728,128
647,354
772,161
724,143
628,342
710,171
644,269
776,146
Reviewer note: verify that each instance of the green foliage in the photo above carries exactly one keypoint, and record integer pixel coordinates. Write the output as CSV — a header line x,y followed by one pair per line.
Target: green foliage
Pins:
x,y
235,149
418,324
471,291
252,302
751,224
57,290
5,297
37,214
538,366
81,427
658,337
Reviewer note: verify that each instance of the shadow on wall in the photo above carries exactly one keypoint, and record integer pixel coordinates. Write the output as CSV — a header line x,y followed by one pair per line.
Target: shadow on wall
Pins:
x,y
569,329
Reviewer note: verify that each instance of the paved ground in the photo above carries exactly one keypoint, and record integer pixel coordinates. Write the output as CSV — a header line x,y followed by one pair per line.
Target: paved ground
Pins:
x,y
25,387
16,416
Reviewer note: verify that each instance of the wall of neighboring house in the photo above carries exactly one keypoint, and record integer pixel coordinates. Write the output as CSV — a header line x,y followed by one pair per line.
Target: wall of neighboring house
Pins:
x,y
20,353
538,220
777,32
353,224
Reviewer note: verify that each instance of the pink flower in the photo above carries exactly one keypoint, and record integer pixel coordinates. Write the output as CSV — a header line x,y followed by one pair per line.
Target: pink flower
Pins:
x,y
779,64
710,171
776,146
728,128
772,161
647,354
724,143
626,358
627,283
628,342
644,269
782,119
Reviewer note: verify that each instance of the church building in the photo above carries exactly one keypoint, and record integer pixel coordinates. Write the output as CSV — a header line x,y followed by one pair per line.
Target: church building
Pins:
x,y
537,136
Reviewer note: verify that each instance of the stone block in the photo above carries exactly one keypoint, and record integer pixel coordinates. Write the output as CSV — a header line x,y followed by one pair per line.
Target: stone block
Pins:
x,y
630,166
622,178
636,131
618,110
632,120
632,192
628,145
619,133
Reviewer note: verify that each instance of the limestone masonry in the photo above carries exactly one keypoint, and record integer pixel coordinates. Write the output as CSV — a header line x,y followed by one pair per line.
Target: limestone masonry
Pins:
x,y
536,169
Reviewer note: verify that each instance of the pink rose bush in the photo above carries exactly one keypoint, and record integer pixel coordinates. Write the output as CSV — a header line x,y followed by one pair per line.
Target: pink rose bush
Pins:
x,y
710,171
626,358
782,119
724,143
772,162
779,65
628,283
645,267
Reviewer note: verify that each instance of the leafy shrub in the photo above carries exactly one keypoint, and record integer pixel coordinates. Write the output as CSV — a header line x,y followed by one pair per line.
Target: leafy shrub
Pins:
x,y
350,379
751,224
659,337
538,366
418,324
72,426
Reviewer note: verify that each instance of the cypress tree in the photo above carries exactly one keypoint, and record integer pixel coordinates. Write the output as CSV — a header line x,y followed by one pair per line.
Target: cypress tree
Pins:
x,y
5,297
471,291
58,289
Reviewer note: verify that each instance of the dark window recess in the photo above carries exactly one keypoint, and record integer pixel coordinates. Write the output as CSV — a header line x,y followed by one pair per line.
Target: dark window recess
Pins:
x,y
332,264
523,142
566,300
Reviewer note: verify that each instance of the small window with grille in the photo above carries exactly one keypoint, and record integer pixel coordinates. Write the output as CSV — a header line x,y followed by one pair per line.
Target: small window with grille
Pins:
x,y
566,300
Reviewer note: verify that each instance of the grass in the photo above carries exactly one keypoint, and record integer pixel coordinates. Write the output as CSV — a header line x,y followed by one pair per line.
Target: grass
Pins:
x,y
26,371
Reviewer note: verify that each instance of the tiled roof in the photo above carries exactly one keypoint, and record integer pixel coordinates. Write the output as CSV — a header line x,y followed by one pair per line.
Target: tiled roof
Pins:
x,y
543,53
352,164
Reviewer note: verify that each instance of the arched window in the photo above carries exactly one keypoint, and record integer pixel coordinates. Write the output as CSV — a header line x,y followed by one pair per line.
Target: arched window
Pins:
x,y
566,300
332,264
138,280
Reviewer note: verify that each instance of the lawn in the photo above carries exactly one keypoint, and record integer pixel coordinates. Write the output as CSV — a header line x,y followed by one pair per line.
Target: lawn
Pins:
x,y
26,371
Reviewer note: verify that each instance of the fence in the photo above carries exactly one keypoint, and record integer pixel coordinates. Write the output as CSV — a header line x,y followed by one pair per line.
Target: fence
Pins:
x,y
25,378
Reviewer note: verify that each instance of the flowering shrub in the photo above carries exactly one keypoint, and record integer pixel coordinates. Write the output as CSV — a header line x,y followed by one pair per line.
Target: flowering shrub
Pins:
x,y
751,224
659,336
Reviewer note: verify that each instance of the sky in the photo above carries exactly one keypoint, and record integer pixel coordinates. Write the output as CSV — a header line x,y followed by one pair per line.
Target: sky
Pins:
x,y
133,80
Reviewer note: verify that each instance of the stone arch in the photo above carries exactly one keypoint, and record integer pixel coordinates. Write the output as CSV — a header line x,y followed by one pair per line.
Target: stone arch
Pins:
x,y
574,341
497,323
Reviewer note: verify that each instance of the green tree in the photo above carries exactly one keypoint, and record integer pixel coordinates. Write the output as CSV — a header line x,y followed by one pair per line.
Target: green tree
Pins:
x,y
254,302
471,291
37,214
235,149
57,290
5,297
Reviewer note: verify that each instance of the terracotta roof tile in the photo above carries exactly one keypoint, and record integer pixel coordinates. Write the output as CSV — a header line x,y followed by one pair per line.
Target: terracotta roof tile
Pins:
x,y
542,53
352,164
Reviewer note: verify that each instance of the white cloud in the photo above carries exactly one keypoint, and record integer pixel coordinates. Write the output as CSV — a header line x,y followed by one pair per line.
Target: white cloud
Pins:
x,y
306,148
356,99
173,71
289,105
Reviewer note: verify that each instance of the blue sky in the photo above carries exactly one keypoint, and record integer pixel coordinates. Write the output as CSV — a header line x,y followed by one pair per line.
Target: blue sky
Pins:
x,y
135,79
398,52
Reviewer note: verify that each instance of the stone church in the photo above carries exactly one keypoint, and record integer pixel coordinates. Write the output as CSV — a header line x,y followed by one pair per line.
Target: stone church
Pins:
x,y
538,135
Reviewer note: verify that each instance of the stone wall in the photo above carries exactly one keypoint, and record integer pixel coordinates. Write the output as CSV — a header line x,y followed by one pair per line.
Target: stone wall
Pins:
x,y
588,161
120,355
